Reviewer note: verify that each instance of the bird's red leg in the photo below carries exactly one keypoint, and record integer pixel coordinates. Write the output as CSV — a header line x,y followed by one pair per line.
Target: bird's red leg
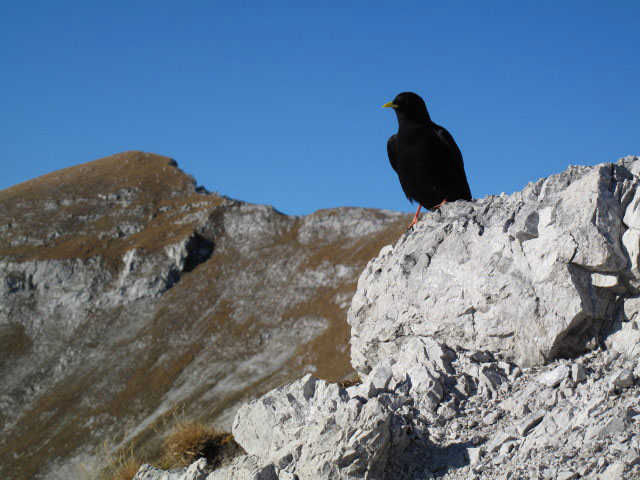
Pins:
x,y
440,204
415,219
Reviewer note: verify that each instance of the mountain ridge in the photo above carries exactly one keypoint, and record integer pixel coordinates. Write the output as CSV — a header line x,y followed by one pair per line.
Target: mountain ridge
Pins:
x,y
129,293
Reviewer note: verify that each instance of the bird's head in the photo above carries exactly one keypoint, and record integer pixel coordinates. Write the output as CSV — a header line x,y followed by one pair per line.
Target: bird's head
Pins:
x,y
409,107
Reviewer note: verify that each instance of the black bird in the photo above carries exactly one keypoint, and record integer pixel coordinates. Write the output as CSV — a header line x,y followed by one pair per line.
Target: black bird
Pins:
x,y
425,157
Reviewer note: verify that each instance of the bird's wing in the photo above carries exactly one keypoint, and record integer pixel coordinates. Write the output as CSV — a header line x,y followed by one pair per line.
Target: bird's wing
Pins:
x,y
464,191
391,151
451,144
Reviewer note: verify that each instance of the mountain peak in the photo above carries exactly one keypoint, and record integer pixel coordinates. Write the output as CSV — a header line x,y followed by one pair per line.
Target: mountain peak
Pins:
x,y
100,208
126,294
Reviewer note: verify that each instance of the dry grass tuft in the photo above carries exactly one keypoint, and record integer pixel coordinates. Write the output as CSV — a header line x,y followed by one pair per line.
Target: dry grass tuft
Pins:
x,y
190,440
350,381
122,465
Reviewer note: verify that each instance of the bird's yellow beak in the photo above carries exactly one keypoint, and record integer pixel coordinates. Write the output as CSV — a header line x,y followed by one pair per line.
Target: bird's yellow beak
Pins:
x,y
390,104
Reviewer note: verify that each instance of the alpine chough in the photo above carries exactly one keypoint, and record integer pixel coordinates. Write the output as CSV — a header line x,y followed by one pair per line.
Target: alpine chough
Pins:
x,y
425,156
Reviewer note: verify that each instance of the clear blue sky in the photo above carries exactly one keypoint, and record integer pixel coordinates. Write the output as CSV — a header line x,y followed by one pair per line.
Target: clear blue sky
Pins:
x,y
280,102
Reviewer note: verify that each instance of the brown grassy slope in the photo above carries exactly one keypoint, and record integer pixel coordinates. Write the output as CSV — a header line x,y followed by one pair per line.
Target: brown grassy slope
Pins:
x,y
246,320
84,211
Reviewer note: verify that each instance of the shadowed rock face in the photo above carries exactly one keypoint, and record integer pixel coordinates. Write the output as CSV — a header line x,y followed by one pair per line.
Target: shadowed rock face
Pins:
x,y
534,275
127,293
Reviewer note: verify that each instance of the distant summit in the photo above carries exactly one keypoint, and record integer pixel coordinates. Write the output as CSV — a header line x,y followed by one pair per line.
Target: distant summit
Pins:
x,y
98,209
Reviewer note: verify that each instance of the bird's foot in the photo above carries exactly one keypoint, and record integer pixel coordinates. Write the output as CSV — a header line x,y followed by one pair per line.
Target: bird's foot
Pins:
x,y
410,227
440,204
415,219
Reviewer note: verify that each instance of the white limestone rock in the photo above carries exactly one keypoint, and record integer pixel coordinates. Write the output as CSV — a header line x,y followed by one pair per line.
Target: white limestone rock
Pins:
x,y
614,471
622,378
475,454
626,338
147,472
422,364
534,275
467,432
578,373
313,429
379,378
500,439
566,475
246,467
555,376
197,470
530,421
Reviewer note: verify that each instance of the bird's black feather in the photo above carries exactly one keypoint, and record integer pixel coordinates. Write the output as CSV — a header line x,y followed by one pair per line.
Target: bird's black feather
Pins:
x,y
425,156
391,151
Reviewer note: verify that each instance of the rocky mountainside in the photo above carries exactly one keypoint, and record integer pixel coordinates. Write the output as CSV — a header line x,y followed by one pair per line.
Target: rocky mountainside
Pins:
x,y
128,294
500,339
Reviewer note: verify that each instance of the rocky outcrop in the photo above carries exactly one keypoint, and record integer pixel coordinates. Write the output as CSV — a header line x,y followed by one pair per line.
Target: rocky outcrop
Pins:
x,y
476,416
127,293
535,275
315,429
497,340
